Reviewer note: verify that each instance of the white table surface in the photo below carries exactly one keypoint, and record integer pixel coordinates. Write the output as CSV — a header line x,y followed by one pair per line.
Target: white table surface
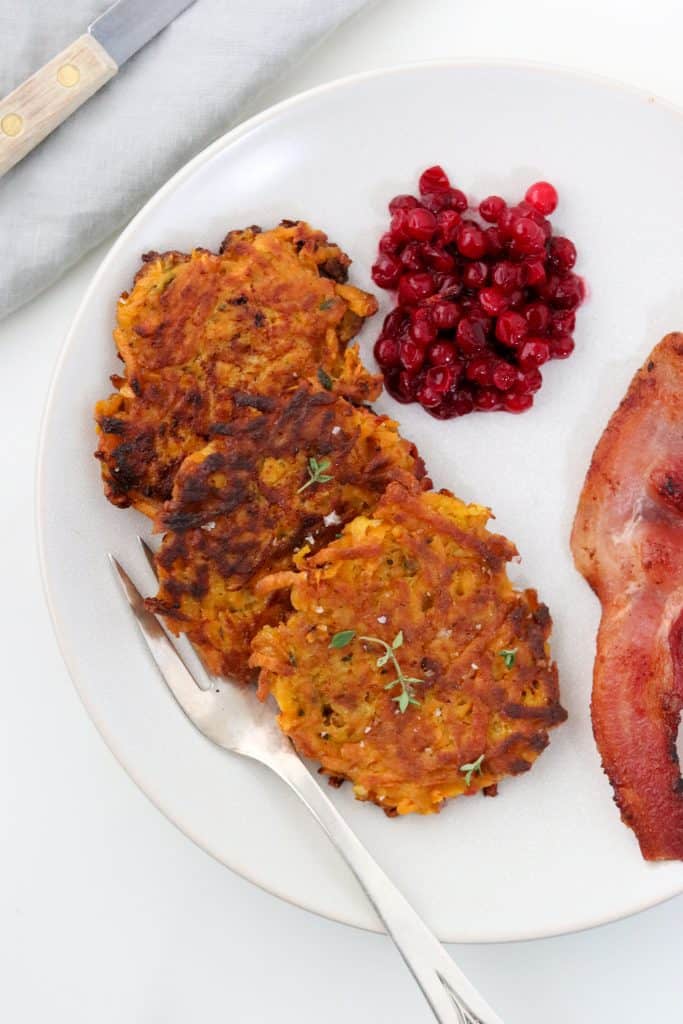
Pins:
x,y
107,913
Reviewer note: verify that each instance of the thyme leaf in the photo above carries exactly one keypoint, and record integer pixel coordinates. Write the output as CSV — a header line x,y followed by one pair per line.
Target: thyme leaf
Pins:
x,y
470,769
508,656
316,473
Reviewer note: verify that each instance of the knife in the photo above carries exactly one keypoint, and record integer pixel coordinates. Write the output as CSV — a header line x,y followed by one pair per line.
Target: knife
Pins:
x,y
49,96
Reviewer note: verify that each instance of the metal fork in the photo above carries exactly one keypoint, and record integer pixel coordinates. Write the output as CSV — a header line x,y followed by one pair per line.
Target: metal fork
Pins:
x,y
237,721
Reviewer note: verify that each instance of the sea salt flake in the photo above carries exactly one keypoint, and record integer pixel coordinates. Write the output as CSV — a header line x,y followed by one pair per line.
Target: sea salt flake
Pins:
x,y
381,619
332,520
209,526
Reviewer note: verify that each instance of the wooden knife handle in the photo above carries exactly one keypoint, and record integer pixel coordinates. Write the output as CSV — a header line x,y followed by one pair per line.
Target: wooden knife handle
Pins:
x,y
48,97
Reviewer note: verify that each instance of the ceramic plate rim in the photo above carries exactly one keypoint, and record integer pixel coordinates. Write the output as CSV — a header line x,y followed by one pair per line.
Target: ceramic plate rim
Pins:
x,y
187,170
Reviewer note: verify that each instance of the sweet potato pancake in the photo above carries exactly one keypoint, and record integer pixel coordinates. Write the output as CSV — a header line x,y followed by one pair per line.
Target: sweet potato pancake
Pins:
x,y
199,331
264,487
410,664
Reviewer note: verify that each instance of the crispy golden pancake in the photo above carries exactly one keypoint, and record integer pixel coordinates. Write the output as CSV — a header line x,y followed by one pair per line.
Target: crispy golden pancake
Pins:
x,y
199,331
265,487
425,578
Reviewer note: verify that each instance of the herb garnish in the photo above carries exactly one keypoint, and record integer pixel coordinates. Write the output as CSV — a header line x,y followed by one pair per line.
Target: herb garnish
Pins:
x,y
316,473
326,304
324,379
407,695
470,769
508,656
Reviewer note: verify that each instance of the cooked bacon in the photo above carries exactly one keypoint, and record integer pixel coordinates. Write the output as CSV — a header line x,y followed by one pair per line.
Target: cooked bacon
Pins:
x,y
628,543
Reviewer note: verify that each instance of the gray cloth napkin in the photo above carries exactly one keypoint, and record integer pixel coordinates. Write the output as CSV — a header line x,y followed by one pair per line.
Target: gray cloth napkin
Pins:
x,y
177,94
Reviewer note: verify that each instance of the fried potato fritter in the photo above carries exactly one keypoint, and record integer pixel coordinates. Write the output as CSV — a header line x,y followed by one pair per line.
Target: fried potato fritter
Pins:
x,y
199,331
247,501
424,575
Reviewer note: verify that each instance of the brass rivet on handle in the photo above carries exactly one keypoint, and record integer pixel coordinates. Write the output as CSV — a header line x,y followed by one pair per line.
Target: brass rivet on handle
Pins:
x,y
68,75
11,124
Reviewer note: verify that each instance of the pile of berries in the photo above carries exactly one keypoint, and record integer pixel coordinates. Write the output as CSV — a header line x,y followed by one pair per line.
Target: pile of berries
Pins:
x,y
482,303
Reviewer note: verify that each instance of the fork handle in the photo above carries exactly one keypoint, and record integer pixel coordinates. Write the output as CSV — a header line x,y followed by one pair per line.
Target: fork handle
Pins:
x,y
452,998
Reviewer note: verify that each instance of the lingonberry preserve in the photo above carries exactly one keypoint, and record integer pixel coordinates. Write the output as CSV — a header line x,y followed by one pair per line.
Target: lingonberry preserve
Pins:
x,y
485,296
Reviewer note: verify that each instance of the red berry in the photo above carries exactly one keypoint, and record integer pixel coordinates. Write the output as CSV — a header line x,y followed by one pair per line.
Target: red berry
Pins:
x,y
445,315
437,258
428,396
408,383
398,225
542,196
387,353
440,378
495,245
561,346
441,353
563,323
528,382
517,403
422,332
449,286
537,315
462,403
434,179
516,299
386,271
474,275
492,301
533,352
471,241
458,200
504,375
533,273
506,222
561,253
470,335
569,292
487,399
511,328
389,244
506,276
395,323
403,202
420,224
411,256
436,202
411,356
491,208
527,236
448,222
480,370
413,287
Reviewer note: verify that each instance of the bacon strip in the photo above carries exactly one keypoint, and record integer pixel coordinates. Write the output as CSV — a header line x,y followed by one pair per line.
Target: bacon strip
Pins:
x,y
628,543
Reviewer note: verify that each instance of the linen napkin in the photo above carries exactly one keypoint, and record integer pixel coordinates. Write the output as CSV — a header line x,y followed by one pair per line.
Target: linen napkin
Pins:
x,y
177,94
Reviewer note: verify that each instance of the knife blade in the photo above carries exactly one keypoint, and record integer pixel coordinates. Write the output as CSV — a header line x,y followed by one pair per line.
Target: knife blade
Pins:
x,y
41,103
128,25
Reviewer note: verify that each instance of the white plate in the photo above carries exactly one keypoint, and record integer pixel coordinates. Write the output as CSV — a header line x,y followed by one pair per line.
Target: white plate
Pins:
x,y
549,854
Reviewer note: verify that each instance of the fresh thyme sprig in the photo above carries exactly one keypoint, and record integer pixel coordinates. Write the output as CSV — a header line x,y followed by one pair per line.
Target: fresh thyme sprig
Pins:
x,y
470,769
316,473
407,695
508,656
